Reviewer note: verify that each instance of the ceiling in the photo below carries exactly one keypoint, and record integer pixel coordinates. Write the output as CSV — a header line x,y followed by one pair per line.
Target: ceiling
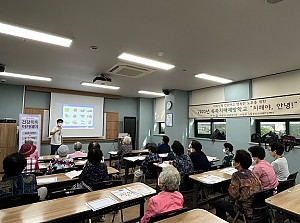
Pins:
x,y
235,39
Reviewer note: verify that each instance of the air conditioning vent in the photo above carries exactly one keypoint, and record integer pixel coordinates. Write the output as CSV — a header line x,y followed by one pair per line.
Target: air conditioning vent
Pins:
x,y
129,70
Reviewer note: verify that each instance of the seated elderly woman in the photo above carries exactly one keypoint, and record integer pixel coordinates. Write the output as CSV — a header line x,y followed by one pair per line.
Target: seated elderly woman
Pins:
x,y
242,186
167,200
78,152
262,169
94,170
125,148
150,172
29,151
62,162
14,182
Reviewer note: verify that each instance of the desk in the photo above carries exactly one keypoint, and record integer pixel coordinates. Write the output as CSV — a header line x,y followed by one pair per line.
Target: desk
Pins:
x,y
50,157
70,209
132,159
113,155
78,163
287,201
222,177
195,215
61,178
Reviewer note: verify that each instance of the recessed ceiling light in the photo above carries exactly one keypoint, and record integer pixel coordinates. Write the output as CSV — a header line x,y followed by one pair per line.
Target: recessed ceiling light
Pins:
x,y
213,78
34,35
25,76
100,86
151,93
145,61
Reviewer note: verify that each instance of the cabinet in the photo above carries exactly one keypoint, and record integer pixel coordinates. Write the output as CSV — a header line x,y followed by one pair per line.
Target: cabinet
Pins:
x,y
8,139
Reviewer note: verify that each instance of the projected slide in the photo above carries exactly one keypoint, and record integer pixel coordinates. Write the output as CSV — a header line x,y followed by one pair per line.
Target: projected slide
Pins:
x,y
78,116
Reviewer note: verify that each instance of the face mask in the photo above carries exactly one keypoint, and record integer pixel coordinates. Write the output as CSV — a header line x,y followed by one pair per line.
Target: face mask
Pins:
x,y
253,162
59,124
224,151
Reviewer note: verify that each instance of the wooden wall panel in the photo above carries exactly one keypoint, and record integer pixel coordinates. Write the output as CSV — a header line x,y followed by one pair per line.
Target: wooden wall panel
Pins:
x,y
112,123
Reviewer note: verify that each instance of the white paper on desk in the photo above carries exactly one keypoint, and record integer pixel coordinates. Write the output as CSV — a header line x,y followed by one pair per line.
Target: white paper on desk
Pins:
x,y
210,179
101,203
42,166
229,170
46,180
211,158
74,173
141,190
124,194
81,162
162,165
113,152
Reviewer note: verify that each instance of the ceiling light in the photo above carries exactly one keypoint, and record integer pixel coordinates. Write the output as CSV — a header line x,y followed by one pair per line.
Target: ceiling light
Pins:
x,y
145,61
34,35
100,86
213,78
24,76
151,93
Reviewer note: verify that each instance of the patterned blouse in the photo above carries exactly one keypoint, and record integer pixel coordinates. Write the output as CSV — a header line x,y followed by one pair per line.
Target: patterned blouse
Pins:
x,y
58,164
94,173
243,185
124,149
184,165
21,184
227,159
152,157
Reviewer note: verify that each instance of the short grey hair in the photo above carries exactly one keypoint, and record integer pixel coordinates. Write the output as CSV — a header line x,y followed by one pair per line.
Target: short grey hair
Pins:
x,y
169,178
63,150
127,140
77,146
29,141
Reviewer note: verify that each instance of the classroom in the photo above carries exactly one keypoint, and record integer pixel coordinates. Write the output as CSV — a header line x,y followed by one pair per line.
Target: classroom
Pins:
x,y
210,72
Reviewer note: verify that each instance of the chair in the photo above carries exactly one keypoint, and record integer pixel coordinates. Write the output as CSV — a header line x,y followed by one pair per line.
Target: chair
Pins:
x,y
107,184
188,184
66,193
18,200
152,171
168,214
293,176
284,185
260,208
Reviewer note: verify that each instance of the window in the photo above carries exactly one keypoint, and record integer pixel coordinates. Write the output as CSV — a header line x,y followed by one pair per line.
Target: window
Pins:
x,y
161,127
279,126
204,128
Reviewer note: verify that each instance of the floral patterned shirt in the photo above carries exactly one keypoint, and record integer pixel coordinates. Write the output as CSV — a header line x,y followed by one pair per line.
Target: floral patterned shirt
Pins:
x,y
58,164
184,165
243,185
94,173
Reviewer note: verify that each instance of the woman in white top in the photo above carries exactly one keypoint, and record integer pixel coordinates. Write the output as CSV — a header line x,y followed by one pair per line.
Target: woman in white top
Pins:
x,y
280,164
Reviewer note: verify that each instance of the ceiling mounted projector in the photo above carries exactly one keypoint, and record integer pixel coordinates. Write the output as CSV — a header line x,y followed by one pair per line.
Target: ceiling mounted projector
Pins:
x,y
102,77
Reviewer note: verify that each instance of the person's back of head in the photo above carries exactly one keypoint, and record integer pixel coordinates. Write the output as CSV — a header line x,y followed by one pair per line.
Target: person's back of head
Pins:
x,y
229,146
257,151
95,155
127,140
152,147
177,148
93,144
77,146
165,139
196,145
243,158
14,164
169,179
278,147
63,150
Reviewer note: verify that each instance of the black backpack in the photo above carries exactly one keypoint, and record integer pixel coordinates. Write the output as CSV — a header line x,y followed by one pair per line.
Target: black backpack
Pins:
x,y
256,137
288,142
218,135
269,137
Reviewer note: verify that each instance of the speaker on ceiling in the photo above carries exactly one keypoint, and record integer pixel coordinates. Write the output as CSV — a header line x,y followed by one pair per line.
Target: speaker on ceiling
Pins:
x,y
166,91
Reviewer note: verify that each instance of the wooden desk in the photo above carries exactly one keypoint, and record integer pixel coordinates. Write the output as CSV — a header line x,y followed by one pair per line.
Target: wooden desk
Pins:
x,y
70,209
195,215
62,178
224,177
287,201
113,155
